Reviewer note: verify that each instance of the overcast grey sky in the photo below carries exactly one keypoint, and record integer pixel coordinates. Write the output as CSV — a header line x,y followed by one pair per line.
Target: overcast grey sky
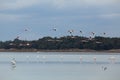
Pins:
x,y
39,17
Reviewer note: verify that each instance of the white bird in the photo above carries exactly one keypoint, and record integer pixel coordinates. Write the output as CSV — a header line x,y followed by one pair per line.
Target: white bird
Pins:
x,y
54,29
81,59
44,58
27,58
94,59
71,32
112,59
61,58
13,62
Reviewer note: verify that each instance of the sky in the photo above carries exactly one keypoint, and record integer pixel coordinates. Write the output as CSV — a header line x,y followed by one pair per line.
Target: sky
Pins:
x,y
34,19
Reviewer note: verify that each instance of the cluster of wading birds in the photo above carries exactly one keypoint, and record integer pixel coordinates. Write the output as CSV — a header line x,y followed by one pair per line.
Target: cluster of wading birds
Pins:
x,y
44,60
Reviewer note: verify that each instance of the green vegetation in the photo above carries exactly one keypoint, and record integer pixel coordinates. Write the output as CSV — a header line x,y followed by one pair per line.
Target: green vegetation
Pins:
x,y
66,42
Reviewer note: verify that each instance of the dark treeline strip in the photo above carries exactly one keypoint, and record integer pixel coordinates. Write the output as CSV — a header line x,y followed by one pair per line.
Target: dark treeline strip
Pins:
x,y
66,42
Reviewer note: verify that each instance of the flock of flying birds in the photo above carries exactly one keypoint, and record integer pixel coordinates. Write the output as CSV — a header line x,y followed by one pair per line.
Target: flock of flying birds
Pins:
x,y
71,32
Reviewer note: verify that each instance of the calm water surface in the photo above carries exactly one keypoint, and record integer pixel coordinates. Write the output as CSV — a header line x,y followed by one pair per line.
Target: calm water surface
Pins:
x,y
59,66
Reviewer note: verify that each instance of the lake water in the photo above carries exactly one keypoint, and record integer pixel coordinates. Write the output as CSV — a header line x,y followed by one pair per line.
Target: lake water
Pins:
x,y
59,66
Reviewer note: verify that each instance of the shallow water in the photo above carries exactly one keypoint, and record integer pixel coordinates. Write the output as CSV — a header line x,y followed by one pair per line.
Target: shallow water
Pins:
x,y
59,66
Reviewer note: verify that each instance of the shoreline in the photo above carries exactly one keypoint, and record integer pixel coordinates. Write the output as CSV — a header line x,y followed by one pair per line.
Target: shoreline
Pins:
x,y
62,50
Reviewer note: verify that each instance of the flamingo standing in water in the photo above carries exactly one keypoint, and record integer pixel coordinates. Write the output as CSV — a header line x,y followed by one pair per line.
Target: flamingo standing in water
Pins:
x,y
81,59
94,59
13,62
61,58
112,59
44,58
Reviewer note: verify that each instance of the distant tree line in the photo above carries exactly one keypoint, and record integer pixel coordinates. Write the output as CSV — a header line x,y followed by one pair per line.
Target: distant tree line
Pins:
x,y
66,42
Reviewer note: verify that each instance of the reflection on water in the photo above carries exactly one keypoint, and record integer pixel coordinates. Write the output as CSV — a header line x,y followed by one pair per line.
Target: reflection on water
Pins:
x,y
59,66
13,67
